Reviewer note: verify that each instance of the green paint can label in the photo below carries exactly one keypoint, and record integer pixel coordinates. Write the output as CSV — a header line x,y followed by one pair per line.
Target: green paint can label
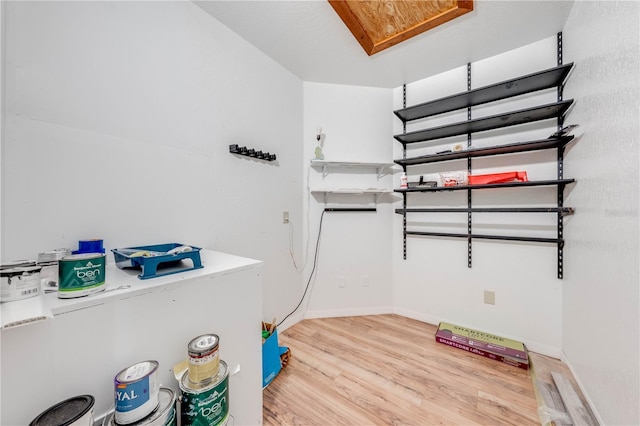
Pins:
x,y
80,275
207,403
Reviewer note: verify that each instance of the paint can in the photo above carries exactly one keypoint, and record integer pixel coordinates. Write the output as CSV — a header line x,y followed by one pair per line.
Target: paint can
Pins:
x,y
205,403
164,415
136,392
19,282
76,411
204,358
80,275
49,262
52,256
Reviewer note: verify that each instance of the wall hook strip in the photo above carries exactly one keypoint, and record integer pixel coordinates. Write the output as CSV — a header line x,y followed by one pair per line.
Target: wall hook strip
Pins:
x,y
250,152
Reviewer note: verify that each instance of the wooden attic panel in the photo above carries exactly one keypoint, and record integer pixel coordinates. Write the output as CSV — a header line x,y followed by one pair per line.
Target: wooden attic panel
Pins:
x,y
380,24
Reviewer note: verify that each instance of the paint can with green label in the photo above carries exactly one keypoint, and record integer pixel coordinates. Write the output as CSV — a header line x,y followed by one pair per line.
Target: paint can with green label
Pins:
x,y
205,403
81,274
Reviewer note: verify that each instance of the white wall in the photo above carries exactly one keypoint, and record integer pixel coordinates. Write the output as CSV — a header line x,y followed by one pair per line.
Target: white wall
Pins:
x,y
119,116
356,124
434,284
601,321
2,92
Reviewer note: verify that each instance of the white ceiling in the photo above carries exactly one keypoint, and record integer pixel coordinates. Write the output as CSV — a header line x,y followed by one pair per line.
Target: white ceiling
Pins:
x,y
308,38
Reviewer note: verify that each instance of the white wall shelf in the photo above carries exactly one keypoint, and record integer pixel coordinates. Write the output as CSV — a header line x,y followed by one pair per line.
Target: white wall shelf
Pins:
x,y
381,168
376,192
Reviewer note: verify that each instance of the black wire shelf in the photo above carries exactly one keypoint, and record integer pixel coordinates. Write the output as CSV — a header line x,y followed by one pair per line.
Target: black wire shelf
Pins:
x,y
562,210
546,79
559,182
558,241
488,151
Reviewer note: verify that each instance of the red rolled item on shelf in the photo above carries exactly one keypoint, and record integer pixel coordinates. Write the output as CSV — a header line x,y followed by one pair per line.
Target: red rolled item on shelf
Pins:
x,y
498,178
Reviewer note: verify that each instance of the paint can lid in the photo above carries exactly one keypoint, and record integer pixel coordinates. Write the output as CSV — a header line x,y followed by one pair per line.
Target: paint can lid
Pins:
x,y
65,413
83,256
136,372
20,270
17,264
203,344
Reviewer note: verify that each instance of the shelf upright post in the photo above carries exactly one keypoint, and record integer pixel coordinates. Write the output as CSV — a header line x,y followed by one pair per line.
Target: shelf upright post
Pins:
x,y
468,173
560,188
404,169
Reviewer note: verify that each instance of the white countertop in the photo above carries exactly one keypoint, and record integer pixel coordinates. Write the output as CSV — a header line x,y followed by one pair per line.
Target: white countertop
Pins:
x,y
47,306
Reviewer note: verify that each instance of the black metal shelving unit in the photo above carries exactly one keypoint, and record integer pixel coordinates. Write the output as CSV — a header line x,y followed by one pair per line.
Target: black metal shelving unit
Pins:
x,y
523,116
546,79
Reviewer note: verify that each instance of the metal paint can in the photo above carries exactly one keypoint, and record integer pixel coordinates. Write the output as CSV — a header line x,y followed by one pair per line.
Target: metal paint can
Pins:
x,y
49,262
204,358
136,392
21,282
76,411
164,415
80,275
52,256
205,404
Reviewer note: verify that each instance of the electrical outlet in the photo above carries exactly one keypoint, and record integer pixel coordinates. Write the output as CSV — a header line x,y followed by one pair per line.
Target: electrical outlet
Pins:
x,y
490,297
285,217
365,281
341,283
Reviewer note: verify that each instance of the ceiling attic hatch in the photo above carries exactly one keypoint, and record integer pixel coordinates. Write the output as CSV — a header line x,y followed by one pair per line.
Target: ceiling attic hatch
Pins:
x,y
380,24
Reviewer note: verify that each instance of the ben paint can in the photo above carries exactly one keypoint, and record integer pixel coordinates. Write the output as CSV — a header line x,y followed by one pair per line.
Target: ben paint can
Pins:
x,y
136,392
76,411
80,275
19,283
204,358
164,415
205,404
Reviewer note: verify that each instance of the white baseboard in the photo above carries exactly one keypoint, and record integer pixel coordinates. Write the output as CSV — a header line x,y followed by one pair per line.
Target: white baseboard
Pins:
x,y
418,316
290,322
349,312
563,358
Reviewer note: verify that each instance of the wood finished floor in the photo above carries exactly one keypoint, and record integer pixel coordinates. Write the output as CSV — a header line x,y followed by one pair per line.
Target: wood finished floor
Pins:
x,y
388,370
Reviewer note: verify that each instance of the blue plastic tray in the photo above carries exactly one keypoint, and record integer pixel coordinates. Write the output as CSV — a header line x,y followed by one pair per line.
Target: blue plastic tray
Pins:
x,y
155,258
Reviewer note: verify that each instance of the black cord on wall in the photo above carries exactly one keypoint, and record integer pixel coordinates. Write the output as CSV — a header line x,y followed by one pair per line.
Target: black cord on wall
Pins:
x,y
313,269
315,256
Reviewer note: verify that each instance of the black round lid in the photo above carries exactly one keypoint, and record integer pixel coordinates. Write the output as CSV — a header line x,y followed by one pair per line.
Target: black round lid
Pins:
x,y
65,413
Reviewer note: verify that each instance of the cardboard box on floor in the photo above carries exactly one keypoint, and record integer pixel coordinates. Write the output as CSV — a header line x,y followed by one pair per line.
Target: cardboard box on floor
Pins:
x,y
487,345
